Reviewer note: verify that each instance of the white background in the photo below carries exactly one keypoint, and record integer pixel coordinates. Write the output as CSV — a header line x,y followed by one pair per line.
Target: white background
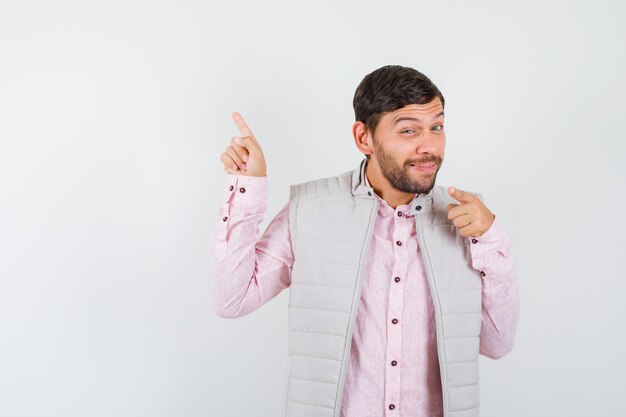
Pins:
x,y
113,115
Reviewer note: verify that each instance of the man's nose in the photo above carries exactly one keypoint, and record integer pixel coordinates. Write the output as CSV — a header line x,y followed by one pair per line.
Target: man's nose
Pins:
x,y
427,143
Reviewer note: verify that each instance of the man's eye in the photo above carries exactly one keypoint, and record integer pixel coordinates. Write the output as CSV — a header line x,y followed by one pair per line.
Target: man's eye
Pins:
x,y
408,131
439,126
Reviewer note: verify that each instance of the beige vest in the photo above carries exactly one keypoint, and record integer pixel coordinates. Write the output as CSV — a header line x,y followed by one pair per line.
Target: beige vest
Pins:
x,y
331,222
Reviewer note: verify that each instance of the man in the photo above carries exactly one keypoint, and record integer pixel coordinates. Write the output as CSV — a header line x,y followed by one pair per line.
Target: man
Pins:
x,y
396,285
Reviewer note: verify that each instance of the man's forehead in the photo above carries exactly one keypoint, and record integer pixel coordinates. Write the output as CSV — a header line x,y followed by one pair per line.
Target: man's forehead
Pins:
x,y
420,112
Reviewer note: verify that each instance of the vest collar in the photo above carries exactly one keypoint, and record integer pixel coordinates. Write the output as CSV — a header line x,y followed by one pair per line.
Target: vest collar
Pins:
x,y
360,188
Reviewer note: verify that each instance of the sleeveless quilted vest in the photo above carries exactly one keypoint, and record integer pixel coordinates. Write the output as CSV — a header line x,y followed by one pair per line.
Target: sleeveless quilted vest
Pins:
x,y
331,222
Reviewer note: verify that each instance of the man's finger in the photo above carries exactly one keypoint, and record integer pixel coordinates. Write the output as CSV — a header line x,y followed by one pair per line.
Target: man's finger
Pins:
x,y
229,165
239,148
450,207
455,210
230,151
461,196
462,221
232,171
241,125
468,230
245,142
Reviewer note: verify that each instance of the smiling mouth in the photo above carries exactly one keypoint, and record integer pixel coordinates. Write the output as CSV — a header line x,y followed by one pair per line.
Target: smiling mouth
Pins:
x,y
430,167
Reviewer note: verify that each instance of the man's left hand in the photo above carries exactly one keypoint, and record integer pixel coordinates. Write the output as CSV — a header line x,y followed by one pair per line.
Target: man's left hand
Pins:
x,y
471,217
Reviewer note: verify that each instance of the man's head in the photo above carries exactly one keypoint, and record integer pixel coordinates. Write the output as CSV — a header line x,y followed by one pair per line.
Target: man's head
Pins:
x,y
399,125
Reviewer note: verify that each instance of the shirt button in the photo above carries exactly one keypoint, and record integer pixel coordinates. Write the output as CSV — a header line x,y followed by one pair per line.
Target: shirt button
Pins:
x,y
397,279
368,193
231,188
225,218
482,273
399,214
394,363
394,321
391,406
242,190
418,208
474,241
398,243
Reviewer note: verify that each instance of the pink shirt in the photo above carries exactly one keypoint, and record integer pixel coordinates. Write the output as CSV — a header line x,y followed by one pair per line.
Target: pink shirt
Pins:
x,y
393,368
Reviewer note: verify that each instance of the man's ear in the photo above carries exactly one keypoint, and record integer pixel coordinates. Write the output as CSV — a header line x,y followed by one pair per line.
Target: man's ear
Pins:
x,y
362,138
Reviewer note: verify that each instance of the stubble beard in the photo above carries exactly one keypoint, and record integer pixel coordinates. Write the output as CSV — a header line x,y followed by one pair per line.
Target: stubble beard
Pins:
x,y
400,177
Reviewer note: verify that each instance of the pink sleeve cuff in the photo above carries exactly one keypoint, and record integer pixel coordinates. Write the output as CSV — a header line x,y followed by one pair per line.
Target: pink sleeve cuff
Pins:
x,y
246,192
494,238
485,248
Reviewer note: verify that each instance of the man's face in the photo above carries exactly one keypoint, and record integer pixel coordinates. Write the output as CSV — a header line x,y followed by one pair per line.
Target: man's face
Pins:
x,y
409,145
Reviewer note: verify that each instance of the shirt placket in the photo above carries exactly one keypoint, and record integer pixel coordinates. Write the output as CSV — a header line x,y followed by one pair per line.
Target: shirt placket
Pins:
x,y
394,313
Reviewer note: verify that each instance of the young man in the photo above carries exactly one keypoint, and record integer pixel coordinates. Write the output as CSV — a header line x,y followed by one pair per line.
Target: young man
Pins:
x,y
396,285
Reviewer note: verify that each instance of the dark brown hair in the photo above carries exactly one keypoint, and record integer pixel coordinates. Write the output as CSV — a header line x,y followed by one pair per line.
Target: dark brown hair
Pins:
x,y
390,88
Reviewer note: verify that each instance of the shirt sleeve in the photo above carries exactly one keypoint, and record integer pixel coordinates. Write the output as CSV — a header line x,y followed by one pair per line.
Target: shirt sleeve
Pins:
x,y
491,257
248,270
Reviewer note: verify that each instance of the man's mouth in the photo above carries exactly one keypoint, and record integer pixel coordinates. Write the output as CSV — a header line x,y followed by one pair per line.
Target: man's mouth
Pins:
x,y
428,167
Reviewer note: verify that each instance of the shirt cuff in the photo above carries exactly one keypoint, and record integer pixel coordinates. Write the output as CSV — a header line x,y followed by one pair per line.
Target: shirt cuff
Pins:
x,y
246,192
493,240
493,234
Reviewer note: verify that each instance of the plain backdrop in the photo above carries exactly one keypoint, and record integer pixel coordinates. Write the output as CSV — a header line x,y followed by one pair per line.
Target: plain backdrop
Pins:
x,y
113,115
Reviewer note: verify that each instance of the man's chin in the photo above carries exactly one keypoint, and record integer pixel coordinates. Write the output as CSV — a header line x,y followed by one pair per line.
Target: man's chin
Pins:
x,y
425,187
417,188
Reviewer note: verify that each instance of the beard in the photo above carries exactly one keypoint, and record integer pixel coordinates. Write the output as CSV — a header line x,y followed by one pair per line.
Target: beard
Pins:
x,y
401,178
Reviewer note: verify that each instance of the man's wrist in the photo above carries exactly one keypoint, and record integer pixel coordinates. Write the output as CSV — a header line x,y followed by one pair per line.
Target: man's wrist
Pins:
x,y
247,192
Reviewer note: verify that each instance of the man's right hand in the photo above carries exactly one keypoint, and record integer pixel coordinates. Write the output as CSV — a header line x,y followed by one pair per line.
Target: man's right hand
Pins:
x,y
244,155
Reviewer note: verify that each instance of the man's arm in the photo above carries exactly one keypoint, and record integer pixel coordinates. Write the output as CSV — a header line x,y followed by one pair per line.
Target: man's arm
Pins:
x,y
248,271
491,256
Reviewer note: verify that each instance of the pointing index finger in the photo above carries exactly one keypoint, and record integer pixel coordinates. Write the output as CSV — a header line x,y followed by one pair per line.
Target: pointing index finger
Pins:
x,y
460,195
241,125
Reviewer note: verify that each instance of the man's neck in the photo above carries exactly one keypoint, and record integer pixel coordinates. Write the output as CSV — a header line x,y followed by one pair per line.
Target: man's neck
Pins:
x,y
383,188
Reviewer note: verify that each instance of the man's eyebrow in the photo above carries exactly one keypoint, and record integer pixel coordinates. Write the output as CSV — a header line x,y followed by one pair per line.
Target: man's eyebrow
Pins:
x,y
415,119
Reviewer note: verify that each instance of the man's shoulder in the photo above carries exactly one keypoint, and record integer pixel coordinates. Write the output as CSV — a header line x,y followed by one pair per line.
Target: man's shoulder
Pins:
x,y
325,186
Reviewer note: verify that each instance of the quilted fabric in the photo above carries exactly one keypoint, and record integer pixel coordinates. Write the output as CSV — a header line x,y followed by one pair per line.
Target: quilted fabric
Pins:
x,y
331,222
